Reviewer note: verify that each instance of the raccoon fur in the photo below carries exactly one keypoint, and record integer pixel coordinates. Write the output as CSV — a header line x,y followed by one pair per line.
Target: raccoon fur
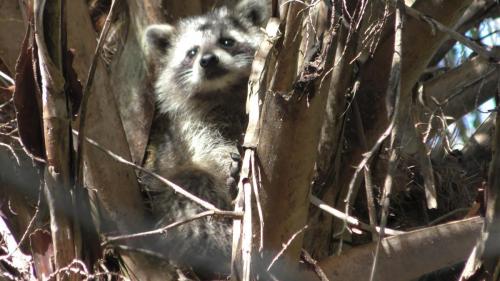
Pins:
x,y
202,68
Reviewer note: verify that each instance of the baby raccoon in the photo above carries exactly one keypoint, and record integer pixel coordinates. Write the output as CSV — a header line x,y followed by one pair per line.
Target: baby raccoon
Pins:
x,y
202,68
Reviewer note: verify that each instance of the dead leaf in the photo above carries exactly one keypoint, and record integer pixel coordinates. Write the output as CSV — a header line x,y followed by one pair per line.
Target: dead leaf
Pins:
x,y
27,98
74,86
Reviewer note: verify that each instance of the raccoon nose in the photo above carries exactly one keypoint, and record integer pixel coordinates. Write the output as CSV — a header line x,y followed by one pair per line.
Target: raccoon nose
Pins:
x,y
208,60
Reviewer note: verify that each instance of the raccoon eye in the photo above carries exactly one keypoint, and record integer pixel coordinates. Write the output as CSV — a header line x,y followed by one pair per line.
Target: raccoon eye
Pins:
x,y
191,53
227,42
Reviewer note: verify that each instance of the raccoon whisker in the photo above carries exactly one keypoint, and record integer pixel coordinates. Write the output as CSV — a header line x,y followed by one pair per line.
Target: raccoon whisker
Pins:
x,y
184,77
185,73
243,59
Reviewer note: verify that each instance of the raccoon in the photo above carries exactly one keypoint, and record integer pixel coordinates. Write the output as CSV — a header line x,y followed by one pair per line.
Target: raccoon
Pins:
x,y
202,68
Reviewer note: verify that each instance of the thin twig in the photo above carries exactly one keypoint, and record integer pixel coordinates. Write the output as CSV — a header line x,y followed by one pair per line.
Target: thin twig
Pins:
x,y
485,36
459,91
319,271
11,151
8,123
144,251
172,185
285,246
210,213
349,219
79,267
7,78
449,215
6,103
367,158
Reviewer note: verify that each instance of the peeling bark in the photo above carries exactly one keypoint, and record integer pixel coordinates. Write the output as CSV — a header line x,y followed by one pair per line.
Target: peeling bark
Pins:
x,y
407,256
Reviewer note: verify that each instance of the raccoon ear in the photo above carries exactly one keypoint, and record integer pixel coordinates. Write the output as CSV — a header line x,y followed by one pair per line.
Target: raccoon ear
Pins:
x,y
255,11
157,39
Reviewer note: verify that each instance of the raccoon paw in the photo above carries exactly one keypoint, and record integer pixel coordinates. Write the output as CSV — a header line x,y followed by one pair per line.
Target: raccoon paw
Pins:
x,y
234,174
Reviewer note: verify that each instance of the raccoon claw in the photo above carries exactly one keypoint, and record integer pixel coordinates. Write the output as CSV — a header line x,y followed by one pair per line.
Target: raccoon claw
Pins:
x,y
234,169
232,186
231,183
235,156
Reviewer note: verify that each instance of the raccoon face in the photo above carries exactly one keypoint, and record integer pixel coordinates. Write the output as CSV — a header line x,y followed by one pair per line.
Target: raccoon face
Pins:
x,y
211,55
206,53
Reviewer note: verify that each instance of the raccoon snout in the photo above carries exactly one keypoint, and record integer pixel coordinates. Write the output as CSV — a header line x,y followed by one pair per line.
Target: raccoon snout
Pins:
x,y
209,60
